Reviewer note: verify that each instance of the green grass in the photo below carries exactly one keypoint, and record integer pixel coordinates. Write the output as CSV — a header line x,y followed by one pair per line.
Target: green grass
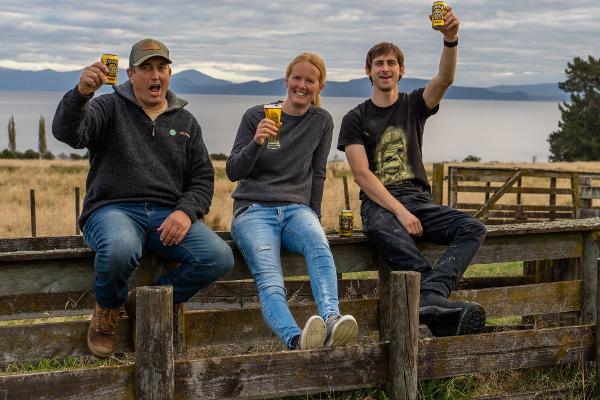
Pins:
x,y
457,388
572,378
34,321
55,364
362,394
69,169
499,269
474,271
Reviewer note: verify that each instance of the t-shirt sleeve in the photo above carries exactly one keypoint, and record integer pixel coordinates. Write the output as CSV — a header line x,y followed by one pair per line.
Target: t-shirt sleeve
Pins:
x,y
351,130
418,104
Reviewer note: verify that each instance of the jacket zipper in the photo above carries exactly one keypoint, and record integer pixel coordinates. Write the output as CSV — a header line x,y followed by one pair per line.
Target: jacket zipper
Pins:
x,y
153,126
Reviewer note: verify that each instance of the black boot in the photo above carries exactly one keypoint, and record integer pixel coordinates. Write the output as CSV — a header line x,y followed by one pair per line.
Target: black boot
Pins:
x,y
445,317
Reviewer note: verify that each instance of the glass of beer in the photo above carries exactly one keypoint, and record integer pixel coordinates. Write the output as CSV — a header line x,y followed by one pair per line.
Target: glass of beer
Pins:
x,y
273,112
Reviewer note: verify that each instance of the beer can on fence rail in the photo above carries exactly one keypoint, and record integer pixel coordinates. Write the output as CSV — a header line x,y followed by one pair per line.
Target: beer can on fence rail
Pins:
x,y
346,223
438,11
112,63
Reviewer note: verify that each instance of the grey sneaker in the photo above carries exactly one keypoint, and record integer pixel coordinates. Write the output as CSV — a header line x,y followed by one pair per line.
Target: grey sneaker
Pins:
x,y
341,330
313,334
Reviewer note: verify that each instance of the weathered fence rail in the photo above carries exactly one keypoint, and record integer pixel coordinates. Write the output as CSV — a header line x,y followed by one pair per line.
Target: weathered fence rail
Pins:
x,y
499,195
52,275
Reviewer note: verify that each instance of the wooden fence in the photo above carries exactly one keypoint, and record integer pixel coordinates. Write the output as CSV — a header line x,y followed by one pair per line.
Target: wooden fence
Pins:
x,y
491,184
53,276
500,195
589,191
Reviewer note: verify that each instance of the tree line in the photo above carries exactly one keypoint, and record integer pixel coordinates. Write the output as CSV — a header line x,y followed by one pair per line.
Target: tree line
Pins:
x,y
42,152
578,134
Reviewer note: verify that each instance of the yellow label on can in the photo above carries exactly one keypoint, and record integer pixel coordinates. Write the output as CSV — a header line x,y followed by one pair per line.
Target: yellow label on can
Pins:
x,y
112,63
438,11
346,223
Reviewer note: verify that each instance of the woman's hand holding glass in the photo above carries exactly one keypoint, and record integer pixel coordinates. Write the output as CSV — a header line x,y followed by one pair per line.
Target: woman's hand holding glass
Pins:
x,y
266,128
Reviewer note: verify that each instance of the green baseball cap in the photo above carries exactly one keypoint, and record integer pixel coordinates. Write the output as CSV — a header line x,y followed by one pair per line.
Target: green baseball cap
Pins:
x,y
145,49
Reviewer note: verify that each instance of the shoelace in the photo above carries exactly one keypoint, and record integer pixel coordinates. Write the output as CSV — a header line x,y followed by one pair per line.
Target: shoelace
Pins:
x,y
329,324
107,320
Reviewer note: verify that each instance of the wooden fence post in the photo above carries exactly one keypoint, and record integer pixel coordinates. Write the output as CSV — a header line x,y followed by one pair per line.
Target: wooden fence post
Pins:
x,y
437,183
452,187
552,198
154,355
589,271
32,208
179,340
383,290
575,195
404,328
77,209
585,201
597,345
346,193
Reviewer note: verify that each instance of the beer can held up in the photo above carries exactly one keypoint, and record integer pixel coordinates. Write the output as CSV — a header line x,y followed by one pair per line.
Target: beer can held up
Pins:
x,y
112,63
438,11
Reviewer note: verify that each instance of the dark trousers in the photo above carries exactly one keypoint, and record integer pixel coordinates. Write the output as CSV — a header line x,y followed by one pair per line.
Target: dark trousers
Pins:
x,y
442,225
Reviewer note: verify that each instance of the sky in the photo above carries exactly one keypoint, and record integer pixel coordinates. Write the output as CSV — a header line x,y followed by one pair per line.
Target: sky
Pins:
x,y
500,41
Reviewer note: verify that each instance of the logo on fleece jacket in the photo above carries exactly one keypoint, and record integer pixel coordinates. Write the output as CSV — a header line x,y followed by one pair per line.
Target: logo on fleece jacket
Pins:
x,y
173,132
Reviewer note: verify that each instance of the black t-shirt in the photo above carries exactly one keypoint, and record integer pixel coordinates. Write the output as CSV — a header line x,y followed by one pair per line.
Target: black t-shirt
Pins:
x,y
393,138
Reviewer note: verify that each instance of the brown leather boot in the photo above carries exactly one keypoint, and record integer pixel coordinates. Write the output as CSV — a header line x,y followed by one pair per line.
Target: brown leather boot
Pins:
x,y
101,335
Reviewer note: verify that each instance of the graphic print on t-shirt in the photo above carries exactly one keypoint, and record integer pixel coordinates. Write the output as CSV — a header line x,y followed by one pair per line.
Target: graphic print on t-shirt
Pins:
x,y
391,158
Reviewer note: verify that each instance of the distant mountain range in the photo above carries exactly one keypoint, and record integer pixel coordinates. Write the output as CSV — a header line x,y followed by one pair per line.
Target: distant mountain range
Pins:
x,y
193,81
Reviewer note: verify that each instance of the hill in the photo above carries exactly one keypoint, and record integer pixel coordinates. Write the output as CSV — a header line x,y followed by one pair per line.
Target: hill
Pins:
x,y
196,82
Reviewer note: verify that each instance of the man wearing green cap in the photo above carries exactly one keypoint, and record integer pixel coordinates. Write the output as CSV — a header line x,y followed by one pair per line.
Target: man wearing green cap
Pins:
x,y
150,182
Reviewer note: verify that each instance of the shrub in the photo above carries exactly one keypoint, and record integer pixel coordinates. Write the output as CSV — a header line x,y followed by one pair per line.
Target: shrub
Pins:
x,y
218,157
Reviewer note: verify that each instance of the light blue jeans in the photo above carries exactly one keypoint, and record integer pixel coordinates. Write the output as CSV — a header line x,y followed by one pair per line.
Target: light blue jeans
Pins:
x,y
119,232
260,232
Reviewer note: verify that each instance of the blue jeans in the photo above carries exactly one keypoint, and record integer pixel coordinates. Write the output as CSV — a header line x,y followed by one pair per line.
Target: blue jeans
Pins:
x,y
119,232
260,232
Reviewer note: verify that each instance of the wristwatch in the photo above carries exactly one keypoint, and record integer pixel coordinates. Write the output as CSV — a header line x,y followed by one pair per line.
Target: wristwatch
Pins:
x,y
450,44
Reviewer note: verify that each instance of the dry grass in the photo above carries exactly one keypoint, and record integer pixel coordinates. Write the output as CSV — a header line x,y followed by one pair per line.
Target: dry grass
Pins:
x,y
54,183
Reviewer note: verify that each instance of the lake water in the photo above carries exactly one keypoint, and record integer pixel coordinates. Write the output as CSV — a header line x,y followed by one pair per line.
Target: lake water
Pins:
x,y
492,130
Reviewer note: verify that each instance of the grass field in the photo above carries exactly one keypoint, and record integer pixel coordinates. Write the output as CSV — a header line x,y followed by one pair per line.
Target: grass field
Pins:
x,y
54,183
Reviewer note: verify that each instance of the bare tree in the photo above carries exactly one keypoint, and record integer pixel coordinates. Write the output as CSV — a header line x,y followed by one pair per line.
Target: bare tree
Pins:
x,y
42,145
12,135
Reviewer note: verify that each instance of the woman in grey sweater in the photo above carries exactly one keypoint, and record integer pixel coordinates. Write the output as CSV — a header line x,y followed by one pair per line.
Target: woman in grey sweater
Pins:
x,y
277,203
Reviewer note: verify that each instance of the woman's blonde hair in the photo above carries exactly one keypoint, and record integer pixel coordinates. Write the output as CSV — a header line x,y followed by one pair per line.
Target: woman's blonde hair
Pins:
x,y
315,60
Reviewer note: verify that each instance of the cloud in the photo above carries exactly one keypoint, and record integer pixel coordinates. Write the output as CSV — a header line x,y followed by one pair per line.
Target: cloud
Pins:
x,y
237,39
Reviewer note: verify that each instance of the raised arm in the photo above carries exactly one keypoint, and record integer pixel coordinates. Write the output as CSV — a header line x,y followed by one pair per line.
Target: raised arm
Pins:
x,y
437,86
78,122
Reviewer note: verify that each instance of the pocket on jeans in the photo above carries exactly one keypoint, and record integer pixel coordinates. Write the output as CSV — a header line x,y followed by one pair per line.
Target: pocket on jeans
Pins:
x,y
240,212
311,210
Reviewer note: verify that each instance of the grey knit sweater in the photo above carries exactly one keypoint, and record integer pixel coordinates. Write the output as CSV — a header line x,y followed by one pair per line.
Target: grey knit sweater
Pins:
x,y
295,173
135,159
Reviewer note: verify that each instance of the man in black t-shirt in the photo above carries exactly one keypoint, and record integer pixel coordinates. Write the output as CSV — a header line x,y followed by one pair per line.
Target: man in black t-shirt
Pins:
x,y
383,139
